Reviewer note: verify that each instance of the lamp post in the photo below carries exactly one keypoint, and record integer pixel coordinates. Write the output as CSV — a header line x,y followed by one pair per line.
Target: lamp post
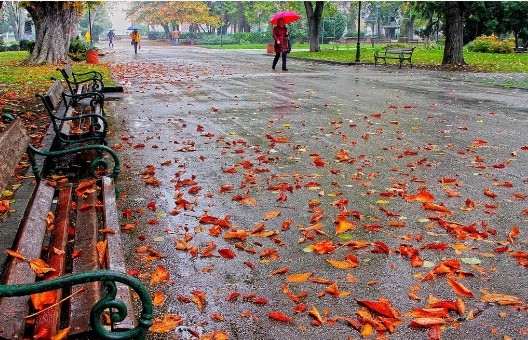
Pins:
x,y
358,33
378,28
90,24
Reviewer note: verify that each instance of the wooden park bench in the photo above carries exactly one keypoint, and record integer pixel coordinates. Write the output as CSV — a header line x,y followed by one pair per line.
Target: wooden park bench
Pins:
x,y
397,53
60,251
78,83
72,121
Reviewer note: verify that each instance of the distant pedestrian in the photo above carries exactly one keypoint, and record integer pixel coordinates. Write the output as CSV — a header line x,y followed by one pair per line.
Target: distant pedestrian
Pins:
x,y
87,37
111,36
176,37
136,39
280,35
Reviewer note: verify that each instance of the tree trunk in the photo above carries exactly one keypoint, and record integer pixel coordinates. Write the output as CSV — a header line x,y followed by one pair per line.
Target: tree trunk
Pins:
x,y
17,18
166,29
455,13
54,22
314,23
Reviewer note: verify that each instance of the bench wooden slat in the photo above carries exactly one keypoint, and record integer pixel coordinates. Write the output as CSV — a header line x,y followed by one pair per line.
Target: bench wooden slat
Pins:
x,y
54,94
14,141
19,272
56,258
115,258
85,240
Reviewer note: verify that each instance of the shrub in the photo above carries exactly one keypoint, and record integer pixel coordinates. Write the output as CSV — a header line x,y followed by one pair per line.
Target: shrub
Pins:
x,y
13,48
30,46
490,44
212,39
253,37
77,46
153,35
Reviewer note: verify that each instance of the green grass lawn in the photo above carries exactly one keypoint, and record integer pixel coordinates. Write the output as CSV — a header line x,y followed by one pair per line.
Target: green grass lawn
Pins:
x,y
422,56
25,80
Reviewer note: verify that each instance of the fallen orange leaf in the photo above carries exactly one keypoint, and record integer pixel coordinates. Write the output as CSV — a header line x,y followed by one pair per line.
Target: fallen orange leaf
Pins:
x,y
41,300
381,307
459,288
40,267
168,323
101,252
301,277
61,335
279,317
271,214
159,275
227,253
343,225
423,196
314,313
158,298
15,254
501,299
427,322
341,264
199,299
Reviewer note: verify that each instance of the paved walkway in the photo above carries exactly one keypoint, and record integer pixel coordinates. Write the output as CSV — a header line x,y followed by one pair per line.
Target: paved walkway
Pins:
x,y
213,139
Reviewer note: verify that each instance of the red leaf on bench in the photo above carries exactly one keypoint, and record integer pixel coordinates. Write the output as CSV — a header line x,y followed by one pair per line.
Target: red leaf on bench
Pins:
x,y
76,253
85,188
107,231
42,332
41,300
101,252
85,207
15,254
40,267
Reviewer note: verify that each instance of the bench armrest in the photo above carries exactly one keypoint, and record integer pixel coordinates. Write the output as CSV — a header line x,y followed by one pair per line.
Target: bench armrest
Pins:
x,y
96,99
99,163
97,84
95,75
109,301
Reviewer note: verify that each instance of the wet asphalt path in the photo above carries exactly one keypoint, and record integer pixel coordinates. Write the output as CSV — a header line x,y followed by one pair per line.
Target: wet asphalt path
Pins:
x,y
313,144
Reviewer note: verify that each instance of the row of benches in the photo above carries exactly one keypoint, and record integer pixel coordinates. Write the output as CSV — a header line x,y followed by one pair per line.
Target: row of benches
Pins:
x,y
67,249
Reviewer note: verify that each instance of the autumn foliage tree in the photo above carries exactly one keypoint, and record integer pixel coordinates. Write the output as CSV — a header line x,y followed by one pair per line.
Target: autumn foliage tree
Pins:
x,y
169,14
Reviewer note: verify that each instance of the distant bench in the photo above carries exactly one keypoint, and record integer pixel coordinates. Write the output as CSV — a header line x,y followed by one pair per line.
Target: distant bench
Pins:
x,y
398,53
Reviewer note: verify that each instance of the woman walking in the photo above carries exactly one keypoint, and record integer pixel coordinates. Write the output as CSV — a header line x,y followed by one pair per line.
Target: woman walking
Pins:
x,y
280,35
136,38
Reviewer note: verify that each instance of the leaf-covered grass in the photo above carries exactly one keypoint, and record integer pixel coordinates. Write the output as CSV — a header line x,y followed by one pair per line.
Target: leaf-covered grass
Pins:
x,y
422,56
24,80
477,62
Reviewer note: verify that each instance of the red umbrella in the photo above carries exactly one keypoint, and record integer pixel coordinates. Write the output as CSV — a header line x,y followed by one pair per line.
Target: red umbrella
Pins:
x,y
288,16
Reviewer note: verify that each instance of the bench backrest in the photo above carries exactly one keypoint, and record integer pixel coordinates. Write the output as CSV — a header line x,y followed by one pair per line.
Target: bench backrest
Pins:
x,y
68,71
13,143
54,95
398,50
